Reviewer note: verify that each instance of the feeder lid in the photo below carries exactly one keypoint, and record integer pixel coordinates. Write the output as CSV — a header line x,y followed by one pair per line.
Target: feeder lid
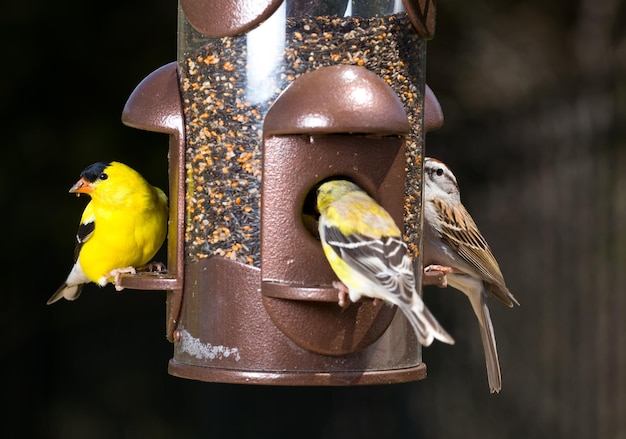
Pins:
x,y
222,18
337,99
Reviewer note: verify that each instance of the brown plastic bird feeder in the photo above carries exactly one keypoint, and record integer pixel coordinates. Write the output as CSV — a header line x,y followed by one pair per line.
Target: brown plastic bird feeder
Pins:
x,y
267,100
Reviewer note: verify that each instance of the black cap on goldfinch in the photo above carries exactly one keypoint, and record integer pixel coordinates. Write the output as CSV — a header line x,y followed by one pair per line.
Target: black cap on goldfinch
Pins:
x,y
88,177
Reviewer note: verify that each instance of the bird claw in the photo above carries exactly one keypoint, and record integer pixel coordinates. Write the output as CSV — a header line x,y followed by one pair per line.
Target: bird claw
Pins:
x,y
437,275
342,293
153,267
117,276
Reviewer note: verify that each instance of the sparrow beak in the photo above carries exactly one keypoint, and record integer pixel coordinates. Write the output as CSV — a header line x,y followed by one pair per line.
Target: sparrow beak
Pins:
x,y
82,186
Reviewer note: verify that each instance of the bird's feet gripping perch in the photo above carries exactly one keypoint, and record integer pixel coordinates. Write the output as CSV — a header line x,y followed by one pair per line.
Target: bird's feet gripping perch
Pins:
x,y
436,275
343,293
117,276
153,267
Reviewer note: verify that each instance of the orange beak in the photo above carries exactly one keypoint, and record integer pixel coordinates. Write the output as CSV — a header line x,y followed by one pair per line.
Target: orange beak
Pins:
x,y
82,186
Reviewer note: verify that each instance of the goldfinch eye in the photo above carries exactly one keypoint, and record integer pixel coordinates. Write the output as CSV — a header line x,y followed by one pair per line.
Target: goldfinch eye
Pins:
x,y
440,172
103,176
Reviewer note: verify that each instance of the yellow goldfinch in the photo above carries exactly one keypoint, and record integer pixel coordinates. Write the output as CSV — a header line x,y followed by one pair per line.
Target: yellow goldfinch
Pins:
x,y
121,229
365,250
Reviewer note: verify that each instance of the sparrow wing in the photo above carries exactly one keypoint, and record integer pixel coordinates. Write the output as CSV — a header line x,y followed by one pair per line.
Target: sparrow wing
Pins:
x,y
460,232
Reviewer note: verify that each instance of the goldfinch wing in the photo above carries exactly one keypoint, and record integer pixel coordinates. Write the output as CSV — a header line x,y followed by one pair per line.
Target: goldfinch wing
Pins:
x,y
461,233
85,230
386,263
383,261
72,287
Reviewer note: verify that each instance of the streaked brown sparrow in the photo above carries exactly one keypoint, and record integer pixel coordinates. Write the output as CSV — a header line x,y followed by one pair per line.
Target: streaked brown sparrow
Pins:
x,y
454,246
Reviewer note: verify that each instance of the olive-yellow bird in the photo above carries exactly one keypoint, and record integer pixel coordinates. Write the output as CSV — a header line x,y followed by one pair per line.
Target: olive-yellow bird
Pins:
x,y
365,250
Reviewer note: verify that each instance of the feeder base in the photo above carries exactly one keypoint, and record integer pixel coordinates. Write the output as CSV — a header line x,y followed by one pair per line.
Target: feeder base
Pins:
x,y
348,378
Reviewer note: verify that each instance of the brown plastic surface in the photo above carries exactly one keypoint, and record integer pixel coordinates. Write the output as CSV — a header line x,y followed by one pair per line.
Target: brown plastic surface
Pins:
x,y
422,15
289,378
155,105
237,325
436,278
224,335
330,102
293,264
221,18
433,114
337,99
165,117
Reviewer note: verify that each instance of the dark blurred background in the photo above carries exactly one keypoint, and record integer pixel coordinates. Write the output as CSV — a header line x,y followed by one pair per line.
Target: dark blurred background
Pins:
x,y
534,95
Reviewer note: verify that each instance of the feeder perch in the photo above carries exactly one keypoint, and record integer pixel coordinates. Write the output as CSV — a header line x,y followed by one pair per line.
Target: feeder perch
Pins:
x,y
267,100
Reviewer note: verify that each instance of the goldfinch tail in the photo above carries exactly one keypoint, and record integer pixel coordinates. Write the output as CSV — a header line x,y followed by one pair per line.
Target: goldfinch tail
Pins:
x,y
69,292
425,324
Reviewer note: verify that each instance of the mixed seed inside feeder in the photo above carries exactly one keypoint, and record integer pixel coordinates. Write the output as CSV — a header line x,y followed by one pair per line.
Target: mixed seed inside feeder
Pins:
x,y
224,120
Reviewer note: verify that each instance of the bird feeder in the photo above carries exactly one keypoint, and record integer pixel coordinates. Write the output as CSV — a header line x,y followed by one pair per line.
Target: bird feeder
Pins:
x,y
267,100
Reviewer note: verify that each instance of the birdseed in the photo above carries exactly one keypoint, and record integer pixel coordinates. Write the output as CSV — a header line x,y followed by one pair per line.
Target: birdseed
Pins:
x,y
224,124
